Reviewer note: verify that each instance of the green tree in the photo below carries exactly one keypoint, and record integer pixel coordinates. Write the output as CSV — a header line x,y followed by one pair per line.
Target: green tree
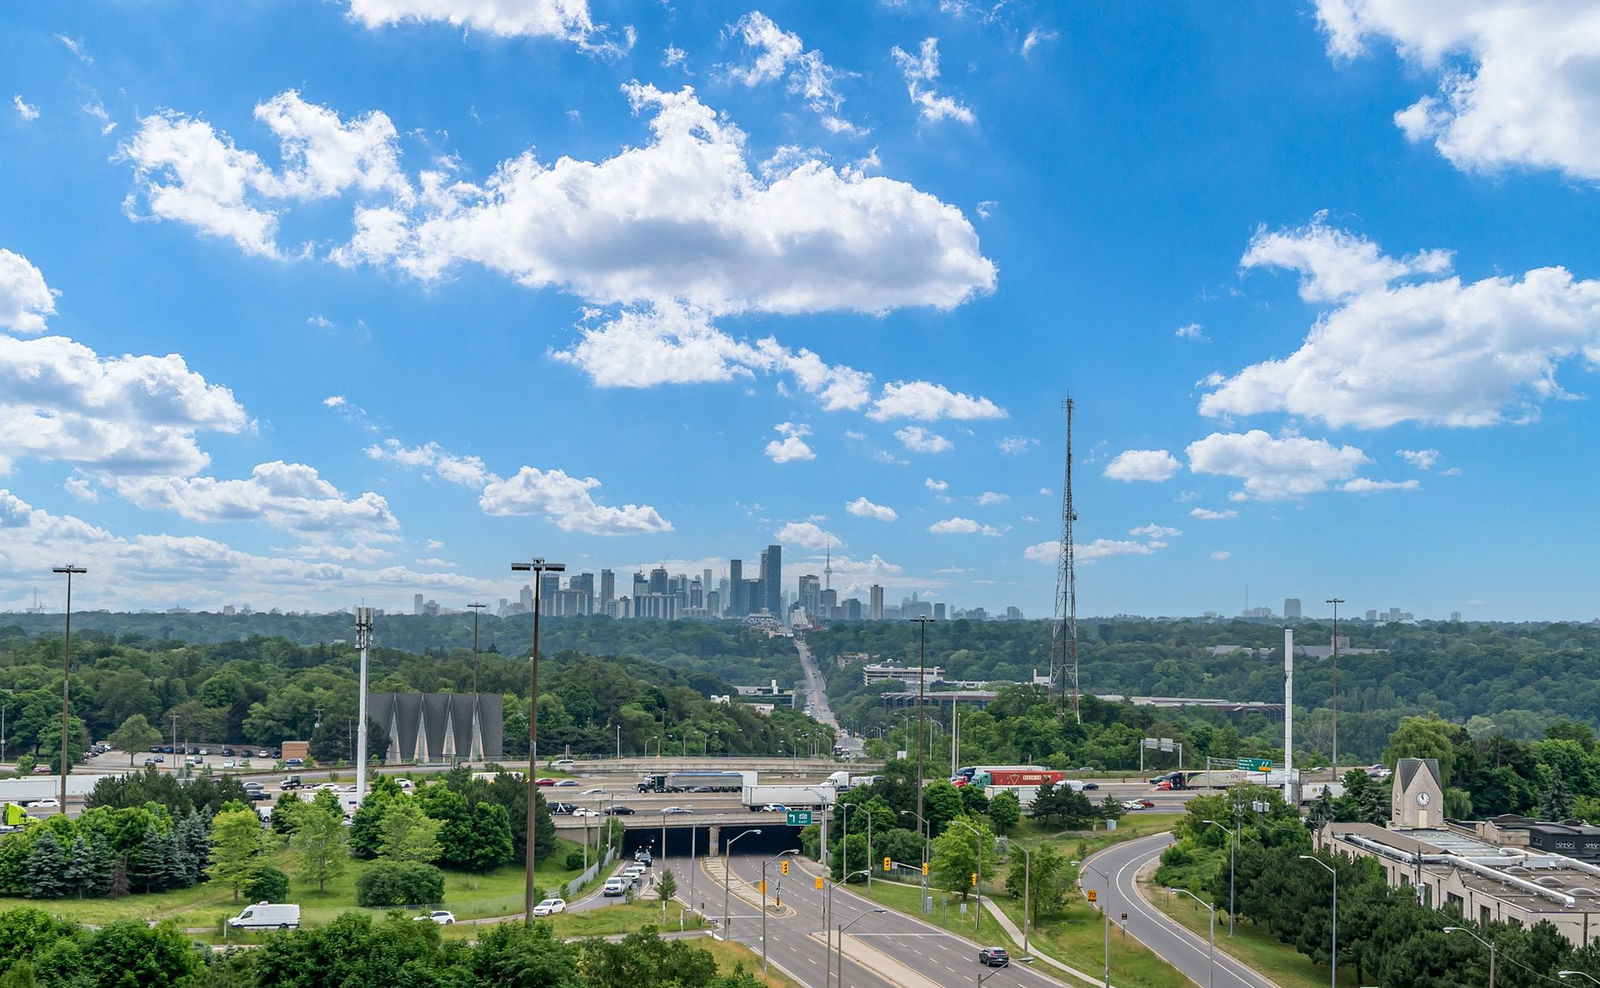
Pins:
x,y
667,885
1557,802
47,866
366,828
1005,811
134,736
1424,737
956,854
130,953
319,843
267,884
407,834
236,844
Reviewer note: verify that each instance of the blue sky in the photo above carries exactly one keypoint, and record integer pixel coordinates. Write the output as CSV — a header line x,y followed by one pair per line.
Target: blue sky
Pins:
x,y
306,303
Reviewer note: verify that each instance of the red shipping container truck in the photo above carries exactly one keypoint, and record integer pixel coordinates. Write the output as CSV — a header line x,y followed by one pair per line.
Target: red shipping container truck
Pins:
x,y
1021,777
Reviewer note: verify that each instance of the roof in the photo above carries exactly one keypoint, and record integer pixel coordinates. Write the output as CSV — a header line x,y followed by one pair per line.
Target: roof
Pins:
x,y
1406,769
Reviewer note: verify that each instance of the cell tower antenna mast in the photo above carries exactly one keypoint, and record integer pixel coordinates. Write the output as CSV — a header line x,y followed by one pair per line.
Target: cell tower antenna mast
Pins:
x,y
1064,643
827,568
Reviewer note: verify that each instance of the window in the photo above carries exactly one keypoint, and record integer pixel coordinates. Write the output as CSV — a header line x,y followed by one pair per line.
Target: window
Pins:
x,y
1453,901
1485,915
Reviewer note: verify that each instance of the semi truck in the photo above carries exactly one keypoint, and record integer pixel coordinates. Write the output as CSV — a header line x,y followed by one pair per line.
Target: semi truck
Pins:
x,y
818,797
697,781
1017,777
13,817
966,775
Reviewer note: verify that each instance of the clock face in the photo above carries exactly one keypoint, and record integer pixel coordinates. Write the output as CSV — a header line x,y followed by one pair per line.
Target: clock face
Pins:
x,y
1422,799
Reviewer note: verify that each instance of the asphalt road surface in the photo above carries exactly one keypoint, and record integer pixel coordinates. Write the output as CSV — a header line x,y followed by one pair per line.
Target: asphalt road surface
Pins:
x,y
941,957
1172,942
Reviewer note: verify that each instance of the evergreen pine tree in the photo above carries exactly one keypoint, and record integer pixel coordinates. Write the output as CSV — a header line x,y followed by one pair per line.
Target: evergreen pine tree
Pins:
x,y
1557,802
172,856
75,874
147,866
98,866
194,838
118,886
47,865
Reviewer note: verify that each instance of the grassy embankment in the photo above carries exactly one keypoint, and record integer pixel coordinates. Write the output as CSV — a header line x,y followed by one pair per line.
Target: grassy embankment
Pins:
x,y
1251,944
1074,937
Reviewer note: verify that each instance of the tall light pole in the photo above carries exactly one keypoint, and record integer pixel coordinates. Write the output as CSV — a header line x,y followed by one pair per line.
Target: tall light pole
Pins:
x,y
923,825
1568,974
1333,957
1486,943
363,643
922,720
839,979
538,567
1334,667
1233,840
792,850
1105,912
1027,888
66,677
727,849
977,884
476,609
1211,978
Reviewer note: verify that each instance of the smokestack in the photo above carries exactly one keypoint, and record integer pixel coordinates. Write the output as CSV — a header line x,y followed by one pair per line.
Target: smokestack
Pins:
x,y
1288,716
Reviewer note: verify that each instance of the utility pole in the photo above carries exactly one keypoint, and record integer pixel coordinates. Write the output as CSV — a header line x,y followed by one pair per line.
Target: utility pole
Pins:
x,y
922,722
66,678
1335,601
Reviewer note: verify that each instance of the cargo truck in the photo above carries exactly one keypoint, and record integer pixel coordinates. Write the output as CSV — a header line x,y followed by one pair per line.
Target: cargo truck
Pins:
x,y
1017,777
818,797
697,781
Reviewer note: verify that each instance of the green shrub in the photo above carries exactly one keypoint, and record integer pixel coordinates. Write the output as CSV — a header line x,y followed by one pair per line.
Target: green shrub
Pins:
x,y
400,883
268,884
576,859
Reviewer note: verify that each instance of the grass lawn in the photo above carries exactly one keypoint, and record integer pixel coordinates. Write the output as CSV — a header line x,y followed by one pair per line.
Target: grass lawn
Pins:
x,y
1251,944
732,954
497,893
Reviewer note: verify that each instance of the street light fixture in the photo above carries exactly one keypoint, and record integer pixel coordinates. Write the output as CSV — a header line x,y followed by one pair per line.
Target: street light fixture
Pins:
x,y
1333,956
792,850
1568,974
727,849
839,979
1233,841
538,567
66,676
1211,978
1486,943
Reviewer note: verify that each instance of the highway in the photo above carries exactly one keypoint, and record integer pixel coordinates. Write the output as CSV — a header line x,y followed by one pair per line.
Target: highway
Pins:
x,y
913,954
1172,942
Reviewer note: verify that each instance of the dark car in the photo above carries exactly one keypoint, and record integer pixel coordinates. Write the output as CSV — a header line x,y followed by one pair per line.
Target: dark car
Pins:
x,y
562,807
619,810
259,794
1091,786
994,956
227,752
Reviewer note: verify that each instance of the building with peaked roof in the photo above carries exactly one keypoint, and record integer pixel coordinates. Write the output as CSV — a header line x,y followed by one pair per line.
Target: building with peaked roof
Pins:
x,y
440,727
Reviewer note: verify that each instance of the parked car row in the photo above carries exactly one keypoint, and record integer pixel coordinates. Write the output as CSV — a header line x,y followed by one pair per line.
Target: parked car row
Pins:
x,y
167,749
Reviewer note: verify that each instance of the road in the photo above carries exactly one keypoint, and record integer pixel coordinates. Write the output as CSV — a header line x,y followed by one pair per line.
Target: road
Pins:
x,y
1172,942
938,957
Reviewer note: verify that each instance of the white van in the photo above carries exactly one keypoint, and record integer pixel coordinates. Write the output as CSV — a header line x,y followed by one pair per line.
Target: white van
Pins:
x,y
268,916
614,886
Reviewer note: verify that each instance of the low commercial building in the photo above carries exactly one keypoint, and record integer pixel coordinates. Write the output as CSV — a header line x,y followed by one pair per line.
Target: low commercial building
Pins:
x,y
1481,871
906,674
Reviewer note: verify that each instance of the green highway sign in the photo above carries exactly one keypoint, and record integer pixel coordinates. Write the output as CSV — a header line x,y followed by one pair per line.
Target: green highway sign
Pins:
x,y
1254,764
799,818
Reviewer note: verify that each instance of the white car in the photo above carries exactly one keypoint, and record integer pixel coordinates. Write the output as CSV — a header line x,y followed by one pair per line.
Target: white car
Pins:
x,y
43,804
404,783
580,811
443,917
774,808
593,792
549,907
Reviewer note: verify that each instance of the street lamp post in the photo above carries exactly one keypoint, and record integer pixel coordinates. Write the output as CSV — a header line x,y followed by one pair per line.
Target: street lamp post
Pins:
x,y
844,841
1486,943
1233,840
726,850
66,676
839,980
1105,911
792,850
922,719
1027,883
1580,974
538,567
1334,668
922,824
1211,978
1333,956
363,643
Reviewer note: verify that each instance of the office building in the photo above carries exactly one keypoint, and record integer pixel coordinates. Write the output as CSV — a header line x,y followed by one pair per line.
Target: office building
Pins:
x,y
875,603
852,609
772,576
810,595
737,605
658,580
608,590
1291,609
828,605
416,608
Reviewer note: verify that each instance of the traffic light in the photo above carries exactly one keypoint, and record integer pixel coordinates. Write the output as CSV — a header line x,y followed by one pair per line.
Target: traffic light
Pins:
x,y
783,866
974,879
818,880
763,886
924,869
887,864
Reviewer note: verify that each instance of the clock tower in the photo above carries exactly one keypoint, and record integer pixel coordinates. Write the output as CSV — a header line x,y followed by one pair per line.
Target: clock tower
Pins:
x,y
1418,799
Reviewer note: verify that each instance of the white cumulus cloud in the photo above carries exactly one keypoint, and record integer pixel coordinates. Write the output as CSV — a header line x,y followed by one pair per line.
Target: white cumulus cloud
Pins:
x,y
920,440
935,485
1428,349
961,526
1153,465
991,498
863,508
928,402
1155,531
792,446
1089,553
1517,86
567,501
1364,485
468,471
1015,445
1221,554
778,54
1275,468
25,300
921,71
807,535
1192,331
290,496
1207,514
562,20
1422,459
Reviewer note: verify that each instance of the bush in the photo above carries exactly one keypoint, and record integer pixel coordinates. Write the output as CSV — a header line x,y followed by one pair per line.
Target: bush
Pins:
x,y
268,884
575,859
400,883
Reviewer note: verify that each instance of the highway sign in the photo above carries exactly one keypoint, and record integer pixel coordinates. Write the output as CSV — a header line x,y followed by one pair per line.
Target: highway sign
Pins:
x,y
1092,894
799,818
1254,765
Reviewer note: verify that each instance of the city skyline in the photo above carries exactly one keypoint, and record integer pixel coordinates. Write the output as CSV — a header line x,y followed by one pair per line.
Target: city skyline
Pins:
x,y
316,303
